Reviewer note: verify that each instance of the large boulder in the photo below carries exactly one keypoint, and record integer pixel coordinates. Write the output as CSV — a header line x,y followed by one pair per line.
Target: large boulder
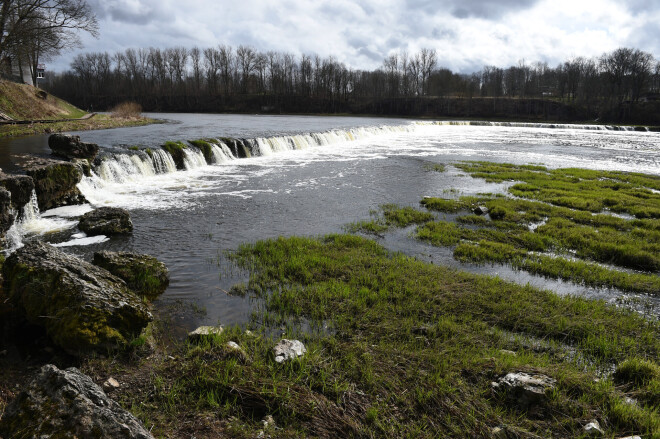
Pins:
x,y
81,306
6,215
70,147
106,221
144,274
56,183
20,187
67,404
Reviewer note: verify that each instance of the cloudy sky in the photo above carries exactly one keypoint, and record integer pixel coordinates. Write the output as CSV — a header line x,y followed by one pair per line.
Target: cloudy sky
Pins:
x,y
466,34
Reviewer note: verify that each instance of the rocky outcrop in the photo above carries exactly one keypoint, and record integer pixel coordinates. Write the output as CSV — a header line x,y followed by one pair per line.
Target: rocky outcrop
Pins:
x,y
20,187
288,350
67,404
70,147
106,221
81,306
55,183
524,390
144,274
6,215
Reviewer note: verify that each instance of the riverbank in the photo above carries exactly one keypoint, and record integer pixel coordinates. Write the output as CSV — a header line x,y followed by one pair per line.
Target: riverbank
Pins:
x,y
98,122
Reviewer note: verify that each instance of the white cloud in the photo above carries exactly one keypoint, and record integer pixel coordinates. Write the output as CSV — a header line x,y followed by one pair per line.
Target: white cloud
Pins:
x,y
466,33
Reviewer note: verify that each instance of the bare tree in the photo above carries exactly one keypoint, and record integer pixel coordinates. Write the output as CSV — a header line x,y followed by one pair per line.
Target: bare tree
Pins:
x,y
38,28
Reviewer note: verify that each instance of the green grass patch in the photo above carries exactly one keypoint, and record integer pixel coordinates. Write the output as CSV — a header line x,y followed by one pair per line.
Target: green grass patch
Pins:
x,y
390,215
410,350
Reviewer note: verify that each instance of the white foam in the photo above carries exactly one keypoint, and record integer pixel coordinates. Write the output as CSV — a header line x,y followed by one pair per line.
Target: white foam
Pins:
x,y
82,241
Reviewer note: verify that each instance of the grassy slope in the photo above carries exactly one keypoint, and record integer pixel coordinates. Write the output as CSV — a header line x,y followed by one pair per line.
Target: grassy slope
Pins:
x,y
22,101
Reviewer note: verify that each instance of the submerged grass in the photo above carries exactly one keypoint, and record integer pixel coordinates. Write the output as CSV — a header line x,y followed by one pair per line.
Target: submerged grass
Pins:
x,y
579,238
411,351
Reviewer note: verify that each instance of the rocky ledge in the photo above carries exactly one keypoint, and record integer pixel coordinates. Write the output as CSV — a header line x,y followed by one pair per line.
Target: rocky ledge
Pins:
x,y
55,182
70,147
81,306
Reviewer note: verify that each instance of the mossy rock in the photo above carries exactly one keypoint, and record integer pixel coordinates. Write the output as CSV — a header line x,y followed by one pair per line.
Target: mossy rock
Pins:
x,y
144,274
206,149
59,404
56,184
81,306
106,221
175,149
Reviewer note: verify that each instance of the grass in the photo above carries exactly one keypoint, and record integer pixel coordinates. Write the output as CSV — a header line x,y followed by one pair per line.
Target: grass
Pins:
x,y
540,232
410,351
98,122
390,215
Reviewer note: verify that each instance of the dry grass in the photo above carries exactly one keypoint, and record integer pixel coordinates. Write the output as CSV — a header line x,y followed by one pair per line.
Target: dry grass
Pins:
x,y
24,102
127,110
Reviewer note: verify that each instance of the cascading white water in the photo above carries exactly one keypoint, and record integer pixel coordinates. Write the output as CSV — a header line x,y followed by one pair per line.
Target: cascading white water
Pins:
x,y
124,167
221,152
30,222
533,125
193,158
162,162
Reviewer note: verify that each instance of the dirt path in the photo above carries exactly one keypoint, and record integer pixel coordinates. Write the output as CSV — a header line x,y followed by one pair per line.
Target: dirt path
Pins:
x,y
26,122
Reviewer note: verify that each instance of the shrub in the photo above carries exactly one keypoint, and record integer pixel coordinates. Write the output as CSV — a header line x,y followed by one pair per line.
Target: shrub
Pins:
x,y
127,110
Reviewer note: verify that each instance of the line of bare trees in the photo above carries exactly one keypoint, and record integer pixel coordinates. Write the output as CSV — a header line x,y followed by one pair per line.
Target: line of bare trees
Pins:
x,y
182,79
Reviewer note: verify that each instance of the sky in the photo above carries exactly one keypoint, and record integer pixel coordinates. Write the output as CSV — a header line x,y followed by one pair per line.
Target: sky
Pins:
x,y
466,34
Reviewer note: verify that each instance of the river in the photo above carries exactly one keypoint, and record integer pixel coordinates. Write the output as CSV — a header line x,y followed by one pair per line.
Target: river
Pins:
x,y
307,176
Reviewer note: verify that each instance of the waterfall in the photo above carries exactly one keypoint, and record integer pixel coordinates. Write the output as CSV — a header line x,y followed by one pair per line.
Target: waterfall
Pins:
x,y
221,152
193,158
566,126
162,162
30,222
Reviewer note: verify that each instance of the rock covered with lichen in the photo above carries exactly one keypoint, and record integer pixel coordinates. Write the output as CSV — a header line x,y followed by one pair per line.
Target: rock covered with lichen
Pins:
x,y
55,182
81,306
70,147
20,187
60,404
106,221
144,274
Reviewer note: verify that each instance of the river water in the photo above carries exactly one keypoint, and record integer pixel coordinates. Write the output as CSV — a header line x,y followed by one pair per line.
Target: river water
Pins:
x,y
302,184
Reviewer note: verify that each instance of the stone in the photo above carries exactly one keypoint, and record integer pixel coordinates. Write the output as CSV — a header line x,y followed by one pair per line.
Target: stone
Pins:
x,y
268,422
288,350
84,166
106,221
70,147
524,390
81,306
6,212
56,183
204,331
66,403
110,384
499,433
144,274
631,437
480,210
508,352
20,187
593,429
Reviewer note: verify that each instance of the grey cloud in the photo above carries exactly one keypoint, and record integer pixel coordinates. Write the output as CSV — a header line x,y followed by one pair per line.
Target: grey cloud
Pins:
x,y
374,56
490,9
119,12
